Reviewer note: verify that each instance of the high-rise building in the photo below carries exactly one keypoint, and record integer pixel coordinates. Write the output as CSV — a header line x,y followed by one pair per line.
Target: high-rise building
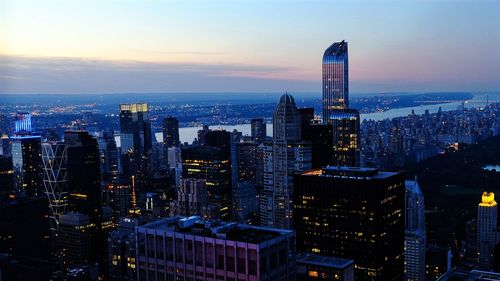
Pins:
x,y
335,79
6,176
171,131
55,177
336,111
74,239
321,138
258,129
487,212
353,213
212,164
415,234
22,123
118,196
109,155
84,185
135,128
247,158
244,201
122,250
192,199
289,155
346,139
84,177
27,162
194,249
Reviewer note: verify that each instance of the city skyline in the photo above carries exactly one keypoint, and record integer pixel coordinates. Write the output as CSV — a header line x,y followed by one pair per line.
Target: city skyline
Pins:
x,y
81,47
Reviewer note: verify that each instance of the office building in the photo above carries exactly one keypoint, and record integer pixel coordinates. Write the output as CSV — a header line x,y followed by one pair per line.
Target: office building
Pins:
x,y
109,155
192,199
335,79
247,161
122,249
487,212
118,196
135,128
415,234
194,249
26,154
258,129
346,138
289,155
245,201
55,178
312,267
171,131
74,239
212,164
353,213
321,138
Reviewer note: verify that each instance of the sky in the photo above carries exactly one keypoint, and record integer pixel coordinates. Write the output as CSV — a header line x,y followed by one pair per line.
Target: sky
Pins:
x,y
123,46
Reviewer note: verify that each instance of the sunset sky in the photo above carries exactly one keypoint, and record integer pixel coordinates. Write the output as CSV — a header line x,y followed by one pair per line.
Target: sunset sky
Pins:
x,y
96,46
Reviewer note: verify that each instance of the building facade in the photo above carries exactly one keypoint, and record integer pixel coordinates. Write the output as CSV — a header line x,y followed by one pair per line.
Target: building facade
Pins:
x,y
353,213
194,249
487,212
26,154
135,128
171,131
415,234
335,79
289,155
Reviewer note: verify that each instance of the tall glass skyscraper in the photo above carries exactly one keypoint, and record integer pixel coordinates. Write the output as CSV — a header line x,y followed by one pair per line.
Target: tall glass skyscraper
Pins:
x,y
135,128
335,79
336,111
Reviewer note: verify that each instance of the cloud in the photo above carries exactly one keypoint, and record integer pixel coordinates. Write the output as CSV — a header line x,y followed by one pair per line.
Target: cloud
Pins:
x,y
20,74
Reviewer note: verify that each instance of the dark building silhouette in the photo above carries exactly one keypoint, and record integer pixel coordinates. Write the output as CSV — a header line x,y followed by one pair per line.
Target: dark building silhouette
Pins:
x,y
346,139
109,155
135,128
171,131
74,239
212,164
353,213
6,176
84,185
258,129
26,154
25,227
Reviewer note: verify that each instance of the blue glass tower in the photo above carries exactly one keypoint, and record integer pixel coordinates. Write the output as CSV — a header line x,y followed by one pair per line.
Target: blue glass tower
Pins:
x,y
335,79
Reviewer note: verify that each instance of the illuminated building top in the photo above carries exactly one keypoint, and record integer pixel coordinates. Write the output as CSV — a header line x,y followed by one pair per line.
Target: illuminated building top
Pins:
x,y
488,200
134,107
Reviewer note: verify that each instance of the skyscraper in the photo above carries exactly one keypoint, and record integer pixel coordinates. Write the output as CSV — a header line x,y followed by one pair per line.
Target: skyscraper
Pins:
x,y
74,239
289,155
212,164
336,111
353,213
6,176
346,139
55,157
258,129
335,79
135,128
109,155
27,162
171,131
84,185
415,235
487,212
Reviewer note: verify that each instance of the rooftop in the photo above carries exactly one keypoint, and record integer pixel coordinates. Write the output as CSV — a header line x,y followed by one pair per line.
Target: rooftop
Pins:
x,y
350,172
217,229
326,261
